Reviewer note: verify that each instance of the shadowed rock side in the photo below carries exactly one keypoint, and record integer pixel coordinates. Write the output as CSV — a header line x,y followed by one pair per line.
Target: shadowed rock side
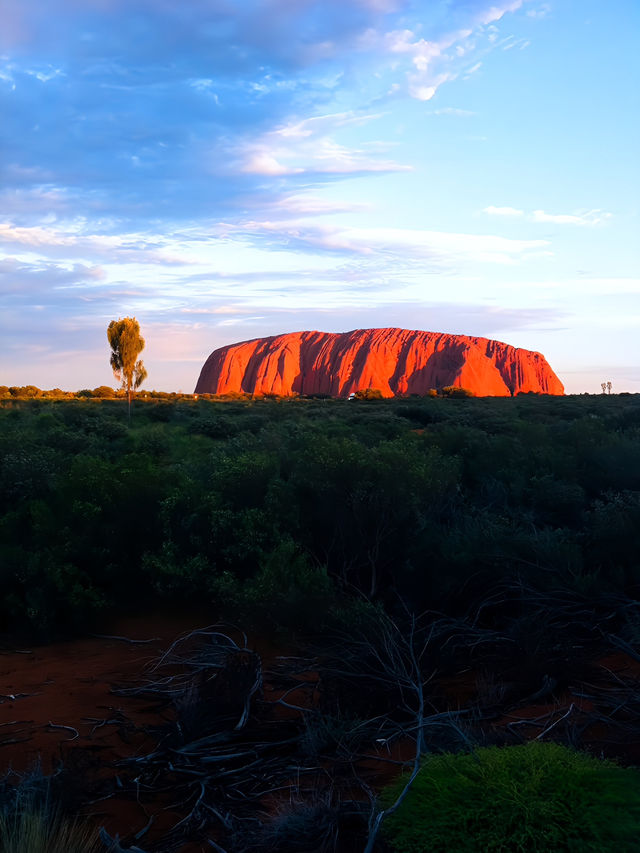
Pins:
x,y
395,361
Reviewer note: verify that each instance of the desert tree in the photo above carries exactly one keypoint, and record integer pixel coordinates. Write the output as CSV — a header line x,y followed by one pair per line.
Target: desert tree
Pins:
x,y
126,344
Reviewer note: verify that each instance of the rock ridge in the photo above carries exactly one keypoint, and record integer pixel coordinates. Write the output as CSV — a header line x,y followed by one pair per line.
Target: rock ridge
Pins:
x,y
394,361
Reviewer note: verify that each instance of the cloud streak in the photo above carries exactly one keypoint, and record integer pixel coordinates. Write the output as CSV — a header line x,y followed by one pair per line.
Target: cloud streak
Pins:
x,y
580,218
439,247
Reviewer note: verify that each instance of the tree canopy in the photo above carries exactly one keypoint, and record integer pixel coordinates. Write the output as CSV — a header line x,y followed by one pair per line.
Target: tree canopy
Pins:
x,y
126,344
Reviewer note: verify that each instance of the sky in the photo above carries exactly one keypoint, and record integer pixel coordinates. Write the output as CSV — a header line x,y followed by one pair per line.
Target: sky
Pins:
x,y
229,169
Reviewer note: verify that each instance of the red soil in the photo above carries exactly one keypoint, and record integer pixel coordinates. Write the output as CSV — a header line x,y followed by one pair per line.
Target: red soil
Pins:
x,y
69,685
605,736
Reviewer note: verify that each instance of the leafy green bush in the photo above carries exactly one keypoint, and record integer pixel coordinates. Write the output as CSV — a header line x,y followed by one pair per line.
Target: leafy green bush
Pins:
x,y
288,593
536,798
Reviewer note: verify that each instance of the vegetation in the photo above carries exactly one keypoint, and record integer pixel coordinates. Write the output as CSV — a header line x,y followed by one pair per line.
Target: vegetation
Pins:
x,y
433,500
537,797
392,544
126,344
32,822
41,831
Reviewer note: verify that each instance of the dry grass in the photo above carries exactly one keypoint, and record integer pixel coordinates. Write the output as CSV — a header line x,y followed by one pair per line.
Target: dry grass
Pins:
x,y
43,831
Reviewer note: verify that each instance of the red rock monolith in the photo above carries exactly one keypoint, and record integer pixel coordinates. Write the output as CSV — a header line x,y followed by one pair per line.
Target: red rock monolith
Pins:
x,y
394,361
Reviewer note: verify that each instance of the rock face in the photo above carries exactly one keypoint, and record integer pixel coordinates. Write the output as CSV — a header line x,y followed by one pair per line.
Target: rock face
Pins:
x,y
395,361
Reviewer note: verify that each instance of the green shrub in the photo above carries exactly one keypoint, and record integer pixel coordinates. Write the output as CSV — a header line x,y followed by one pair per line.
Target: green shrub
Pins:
x,y
288,593
536,798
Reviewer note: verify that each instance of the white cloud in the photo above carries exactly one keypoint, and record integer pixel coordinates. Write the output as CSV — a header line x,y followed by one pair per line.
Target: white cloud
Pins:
x,y
6,73
424,91
433,62
589,217
503,211
424,80
308,205
264,163
582,218
541,12
33,236
321,125
494,13
71,241
45,76
309,147
472,70
454,111
439,247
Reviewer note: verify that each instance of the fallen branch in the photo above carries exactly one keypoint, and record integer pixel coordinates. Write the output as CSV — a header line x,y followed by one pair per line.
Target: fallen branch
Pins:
x,y
553,725
76,733
125,639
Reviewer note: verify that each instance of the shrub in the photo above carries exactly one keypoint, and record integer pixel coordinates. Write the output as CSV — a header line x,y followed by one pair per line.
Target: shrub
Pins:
x,y
536,798
104,391
455,391
369,394
289,594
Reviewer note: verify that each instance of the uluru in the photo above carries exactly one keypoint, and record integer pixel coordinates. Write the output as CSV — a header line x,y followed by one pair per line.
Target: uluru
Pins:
x,y
394,361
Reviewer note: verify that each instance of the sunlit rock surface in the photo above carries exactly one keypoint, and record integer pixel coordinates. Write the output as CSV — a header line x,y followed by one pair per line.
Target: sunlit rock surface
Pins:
x,y
395,361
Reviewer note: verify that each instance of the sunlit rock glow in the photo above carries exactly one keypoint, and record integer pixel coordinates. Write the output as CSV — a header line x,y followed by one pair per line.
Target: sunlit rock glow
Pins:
x,y
394,361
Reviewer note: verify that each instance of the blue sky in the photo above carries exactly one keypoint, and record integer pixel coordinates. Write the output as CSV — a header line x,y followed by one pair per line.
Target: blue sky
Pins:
x,y
227,170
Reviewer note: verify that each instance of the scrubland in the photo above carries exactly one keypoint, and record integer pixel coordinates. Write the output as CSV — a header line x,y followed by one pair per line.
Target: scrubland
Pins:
x,y
378,583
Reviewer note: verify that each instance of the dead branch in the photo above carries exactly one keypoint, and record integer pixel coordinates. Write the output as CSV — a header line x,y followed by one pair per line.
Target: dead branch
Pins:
x,y
554,724
125,639
76,733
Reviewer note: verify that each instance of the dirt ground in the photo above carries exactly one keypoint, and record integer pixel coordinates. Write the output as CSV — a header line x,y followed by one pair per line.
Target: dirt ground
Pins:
x,y
57,707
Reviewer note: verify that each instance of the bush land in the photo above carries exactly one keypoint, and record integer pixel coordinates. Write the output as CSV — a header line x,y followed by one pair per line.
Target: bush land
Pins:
x,y
510,525
434,499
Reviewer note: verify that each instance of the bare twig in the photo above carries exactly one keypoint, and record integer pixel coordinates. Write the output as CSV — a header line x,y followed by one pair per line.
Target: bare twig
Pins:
x,y
76,733
125,639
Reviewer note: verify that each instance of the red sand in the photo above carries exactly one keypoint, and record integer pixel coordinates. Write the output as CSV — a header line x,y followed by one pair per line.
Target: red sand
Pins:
x,y
68,684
